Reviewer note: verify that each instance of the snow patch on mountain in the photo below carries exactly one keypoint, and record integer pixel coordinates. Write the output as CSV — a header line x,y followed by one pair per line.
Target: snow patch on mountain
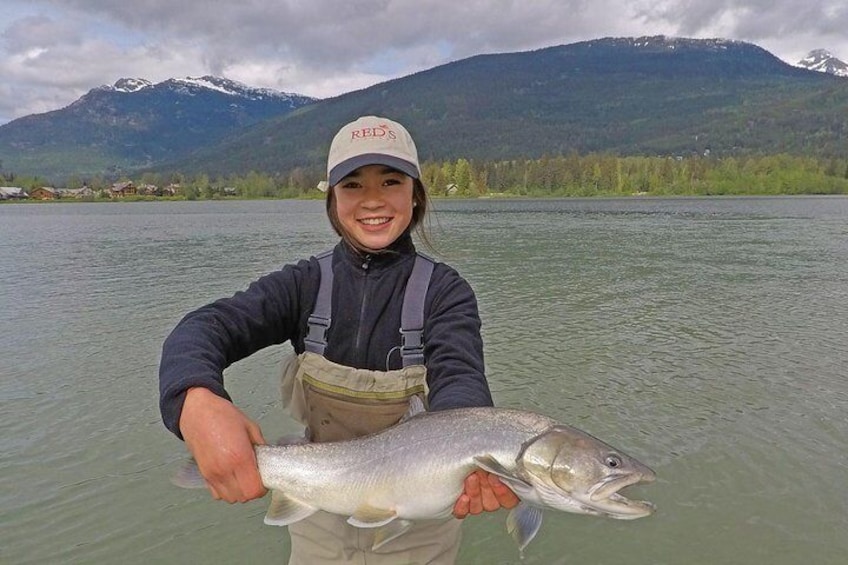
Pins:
x,y
191,85
130,85
232,87
672,42
824,61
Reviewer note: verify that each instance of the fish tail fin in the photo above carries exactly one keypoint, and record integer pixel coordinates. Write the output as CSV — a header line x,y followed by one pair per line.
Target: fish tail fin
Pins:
x,y
188,476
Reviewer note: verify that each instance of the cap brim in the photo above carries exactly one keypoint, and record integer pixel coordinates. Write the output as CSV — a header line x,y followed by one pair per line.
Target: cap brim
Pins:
x,y
347,166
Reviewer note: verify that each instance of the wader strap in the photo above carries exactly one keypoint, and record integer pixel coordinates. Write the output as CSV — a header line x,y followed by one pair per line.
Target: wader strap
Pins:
x,y
412,315
319,321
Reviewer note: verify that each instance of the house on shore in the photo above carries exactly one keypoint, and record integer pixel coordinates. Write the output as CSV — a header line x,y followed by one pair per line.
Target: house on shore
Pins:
x,y
44,193
12,193
149,190
78,193
122,189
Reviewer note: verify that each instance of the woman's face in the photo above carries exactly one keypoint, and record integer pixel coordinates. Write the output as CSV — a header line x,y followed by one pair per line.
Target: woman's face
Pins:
x,y
374,205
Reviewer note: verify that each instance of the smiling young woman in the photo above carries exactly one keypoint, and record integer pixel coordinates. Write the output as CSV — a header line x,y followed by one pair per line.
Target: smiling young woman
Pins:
x,y
372,322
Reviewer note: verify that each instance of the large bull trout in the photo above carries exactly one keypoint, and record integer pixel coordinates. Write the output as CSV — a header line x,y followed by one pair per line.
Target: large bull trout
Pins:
x,y
416,471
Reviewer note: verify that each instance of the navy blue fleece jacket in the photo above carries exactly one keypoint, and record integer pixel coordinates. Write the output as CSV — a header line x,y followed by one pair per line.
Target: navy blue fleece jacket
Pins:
x,y
367,298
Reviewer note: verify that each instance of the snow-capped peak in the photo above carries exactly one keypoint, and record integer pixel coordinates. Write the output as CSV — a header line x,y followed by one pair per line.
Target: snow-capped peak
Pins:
x,y
823,61
131,84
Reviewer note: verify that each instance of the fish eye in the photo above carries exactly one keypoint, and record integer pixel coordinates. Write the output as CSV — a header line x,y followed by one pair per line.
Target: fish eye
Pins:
x,y
613,461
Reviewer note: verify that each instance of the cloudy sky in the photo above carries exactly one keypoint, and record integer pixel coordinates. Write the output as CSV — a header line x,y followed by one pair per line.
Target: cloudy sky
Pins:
x,y
54,51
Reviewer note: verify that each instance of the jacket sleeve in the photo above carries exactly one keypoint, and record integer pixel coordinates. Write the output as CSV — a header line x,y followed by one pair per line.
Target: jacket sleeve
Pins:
x,y
210,339
453,344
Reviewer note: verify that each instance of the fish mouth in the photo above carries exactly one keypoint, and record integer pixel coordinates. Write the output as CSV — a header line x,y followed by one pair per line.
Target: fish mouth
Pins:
x,y
604,497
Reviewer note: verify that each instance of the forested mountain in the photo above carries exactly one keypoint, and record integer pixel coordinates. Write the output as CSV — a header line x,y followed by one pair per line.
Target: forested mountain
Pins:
x,y
135,123
646,96
652,96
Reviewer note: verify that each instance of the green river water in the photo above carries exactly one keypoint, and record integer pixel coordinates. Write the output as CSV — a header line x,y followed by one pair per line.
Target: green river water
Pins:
x,y
706,337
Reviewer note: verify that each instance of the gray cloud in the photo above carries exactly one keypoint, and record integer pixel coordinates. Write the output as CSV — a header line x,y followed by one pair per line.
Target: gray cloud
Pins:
x,y
53,51
751,20
37,31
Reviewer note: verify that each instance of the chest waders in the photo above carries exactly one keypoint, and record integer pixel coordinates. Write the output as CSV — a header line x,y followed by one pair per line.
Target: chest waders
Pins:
x,y
337,402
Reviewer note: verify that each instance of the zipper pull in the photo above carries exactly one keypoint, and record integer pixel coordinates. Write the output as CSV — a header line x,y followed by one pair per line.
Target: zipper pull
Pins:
x,y
366,263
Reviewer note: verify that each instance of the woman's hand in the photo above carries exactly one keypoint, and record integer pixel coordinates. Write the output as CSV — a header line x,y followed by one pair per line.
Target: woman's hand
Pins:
x,y
221,439
483,491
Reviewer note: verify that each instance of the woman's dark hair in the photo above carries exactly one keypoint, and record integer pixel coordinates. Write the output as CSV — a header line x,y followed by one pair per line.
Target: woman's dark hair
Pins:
x,y
418,223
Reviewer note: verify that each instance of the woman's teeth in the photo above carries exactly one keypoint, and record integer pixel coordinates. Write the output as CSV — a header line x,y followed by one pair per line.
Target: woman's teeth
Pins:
x,y
374,221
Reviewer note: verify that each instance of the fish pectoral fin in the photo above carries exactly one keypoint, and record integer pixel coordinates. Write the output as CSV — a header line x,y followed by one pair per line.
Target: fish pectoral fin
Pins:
x,y
389,532
285,510
523,522
518,485
492,465
371,517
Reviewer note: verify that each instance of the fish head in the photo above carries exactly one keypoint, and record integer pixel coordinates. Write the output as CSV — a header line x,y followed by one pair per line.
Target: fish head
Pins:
x,y
573,471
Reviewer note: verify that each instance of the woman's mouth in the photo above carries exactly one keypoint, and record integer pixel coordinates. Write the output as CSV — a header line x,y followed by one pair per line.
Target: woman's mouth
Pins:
x,y
374,221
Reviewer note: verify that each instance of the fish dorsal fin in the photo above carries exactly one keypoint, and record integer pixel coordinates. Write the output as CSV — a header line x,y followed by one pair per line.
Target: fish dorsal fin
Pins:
x,y
416,407
492,465
389,532
523,522
285,510
293,439
371,517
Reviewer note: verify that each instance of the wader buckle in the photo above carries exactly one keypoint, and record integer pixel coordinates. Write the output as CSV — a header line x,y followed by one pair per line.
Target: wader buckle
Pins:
x,y
317,335
412,345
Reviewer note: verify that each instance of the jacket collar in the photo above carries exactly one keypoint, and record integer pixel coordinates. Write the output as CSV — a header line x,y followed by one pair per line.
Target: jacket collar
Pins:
x,y
401,248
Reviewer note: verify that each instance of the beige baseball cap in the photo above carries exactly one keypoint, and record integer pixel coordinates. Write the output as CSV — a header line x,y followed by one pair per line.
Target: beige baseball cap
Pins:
x,y
371,140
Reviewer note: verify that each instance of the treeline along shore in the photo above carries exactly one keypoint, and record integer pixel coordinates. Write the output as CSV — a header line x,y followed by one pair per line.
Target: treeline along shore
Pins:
x,y
559,176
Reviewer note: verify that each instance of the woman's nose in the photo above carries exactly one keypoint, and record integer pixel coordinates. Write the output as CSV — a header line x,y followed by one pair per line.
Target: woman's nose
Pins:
x,y
371,193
